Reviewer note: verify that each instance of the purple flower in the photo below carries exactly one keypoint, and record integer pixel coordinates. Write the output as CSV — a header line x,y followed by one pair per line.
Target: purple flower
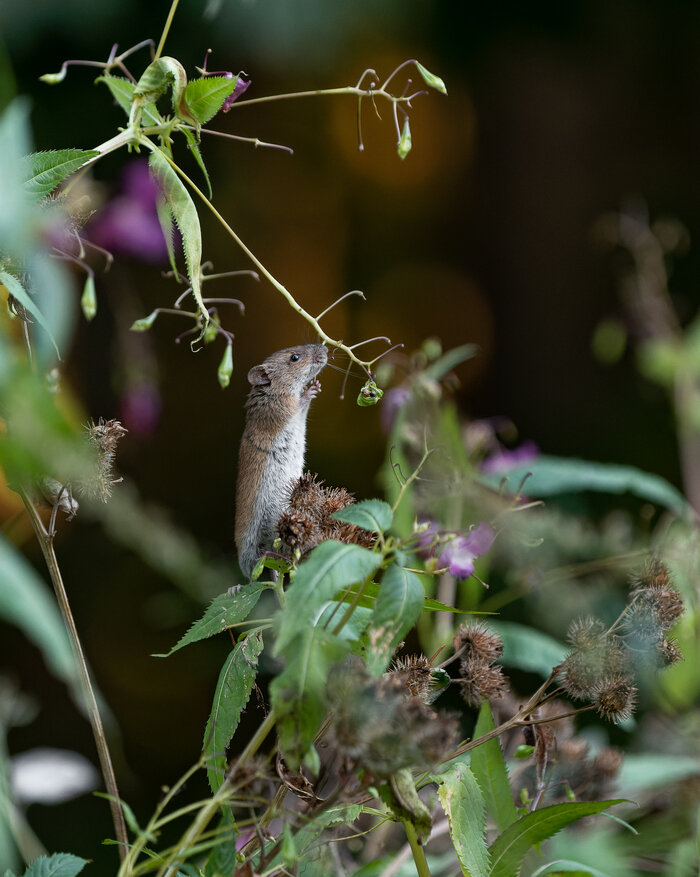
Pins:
x,y
128,225
241,86
425,542
460,554
503,460
393,402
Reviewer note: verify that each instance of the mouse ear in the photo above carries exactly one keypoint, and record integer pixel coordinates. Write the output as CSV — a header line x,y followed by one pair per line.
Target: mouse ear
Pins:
x,y
257,376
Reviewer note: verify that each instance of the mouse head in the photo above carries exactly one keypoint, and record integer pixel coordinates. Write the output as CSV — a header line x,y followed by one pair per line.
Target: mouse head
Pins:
x,y
289,370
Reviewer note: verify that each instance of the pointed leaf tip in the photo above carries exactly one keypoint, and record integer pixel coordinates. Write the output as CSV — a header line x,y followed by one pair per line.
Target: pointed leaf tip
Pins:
x,y
431,79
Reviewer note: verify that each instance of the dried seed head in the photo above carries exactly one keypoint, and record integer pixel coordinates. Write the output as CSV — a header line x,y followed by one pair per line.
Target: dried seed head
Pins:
x,y
415,674
481,681
614,698
297,530
670,651
654,599
104,436
586,633
478,642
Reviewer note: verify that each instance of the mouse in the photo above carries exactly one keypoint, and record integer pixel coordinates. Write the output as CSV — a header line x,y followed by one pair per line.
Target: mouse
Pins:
x,y
273,444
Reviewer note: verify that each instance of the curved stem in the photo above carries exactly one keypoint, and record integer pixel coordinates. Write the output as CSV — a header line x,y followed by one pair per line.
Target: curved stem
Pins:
x,y
416,849
47,549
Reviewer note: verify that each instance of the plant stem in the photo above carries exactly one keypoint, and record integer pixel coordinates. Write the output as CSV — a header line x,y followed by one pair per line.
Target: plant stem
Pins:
x,y
207,812
47,549
416,849
166,29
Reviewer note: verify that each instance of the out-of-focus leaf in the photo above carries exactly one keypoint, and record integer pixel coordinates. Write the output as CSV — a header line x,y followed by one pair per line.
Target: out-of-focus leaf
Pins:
x,y
651,770
463,803
236,681
223,612
451,359
17,291
566,866
529,649
26,602
553,475
489,768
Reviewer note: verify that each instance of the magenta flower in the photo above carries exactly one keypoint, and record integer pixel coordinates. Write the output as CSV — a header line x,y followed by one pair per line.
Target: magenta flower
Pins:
x,y
128,225
241,86
503,460
459,554
425,542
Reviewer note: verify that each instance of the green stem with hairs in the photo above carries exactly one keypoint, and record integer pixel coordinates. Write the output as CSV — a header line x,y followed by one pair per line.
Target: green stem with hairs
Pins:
x,y
416,849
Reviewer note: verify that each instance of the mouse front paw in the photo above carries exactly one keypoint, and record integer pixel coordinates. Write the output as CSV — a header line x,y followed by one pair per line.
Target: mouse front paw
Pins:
x,y
311,391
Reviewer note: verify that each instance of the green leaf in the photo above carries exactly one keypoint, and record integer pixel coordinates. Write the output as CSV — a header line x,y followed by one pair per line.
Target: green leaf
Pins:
x,y
57,865
44,171
396,610
26,602
312,829
123,93
223,612
529,649
650,771
508,849
233,689
88,300
370,514
223,858
566,866
157,78
195,150
329,568
206,96
185,215
405,143
489,768
16,290
226,367
431,79
554,475
298,694
463,803
450,360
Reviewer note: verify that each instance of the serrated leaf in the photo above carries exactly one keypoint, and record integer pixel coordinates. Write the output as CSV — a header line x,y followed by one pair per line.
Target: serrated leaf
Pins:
x,y
508,850
233,689
489,768
554,475
185,215
16,290
298,694
194,149
370,514
397,608
223,612
463,803
329,568
167,226
44,171
431,79
225,369
88,300
123,93
57,865
206,96
529,649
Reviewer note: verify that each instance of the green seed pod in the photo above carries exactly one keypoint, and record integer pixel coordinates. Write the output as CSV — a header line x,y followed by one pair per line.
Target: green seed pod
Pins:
x,y
145,323
404,146
226,367
370,394
88,300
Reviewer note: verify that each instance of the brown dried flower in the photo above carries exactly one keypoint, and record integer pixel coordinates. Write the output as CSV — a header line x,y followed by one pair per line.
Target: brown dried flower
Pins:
x,y
614,698
478,641
415,674
104,436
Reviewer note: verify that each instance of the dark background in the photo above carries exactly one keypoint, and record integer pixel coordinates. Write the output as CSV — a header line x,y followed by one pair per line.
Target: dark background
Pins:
x,y
556,114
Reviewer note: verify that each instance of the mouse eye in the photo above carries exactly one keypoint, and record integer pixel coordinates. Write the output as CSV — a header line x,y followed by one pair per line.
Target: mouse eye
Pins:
x,y
294,357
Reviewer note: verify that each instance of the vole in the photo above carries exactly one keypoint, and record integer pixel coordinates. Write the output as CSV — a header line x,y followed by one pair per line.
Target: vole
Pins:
x,y
271,455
